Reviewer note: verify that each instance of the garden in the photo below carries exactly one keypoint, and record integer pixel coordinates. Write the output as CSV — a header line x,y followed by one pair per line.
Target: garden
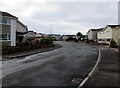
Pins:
x,y
29,44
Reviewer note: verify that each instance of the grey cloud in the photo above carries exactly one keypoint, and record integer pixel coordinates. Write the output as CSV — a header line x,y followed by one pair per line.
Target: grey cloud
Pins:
x,y
79,16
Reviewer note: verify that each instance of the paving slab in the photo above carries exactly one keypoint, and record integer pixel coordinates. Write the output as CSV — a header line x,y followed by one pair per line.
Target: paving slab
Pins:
x,y
106,74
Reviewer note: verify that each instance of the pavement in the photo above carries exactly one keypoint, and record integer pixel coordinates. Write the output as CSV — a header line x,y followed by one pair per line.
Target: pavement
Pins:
x,y
65,67
106,74
27,53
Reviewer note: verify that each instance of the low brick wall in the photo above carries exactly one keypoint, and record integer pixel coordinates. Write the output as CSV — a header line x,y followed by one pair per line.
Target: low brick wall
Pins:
x,y
8,50
7,43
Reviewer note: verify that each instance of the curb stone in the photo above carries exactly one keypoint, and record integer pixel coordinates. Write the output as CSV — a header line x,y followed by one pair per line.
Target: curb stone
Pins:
x,y
53,48
91,72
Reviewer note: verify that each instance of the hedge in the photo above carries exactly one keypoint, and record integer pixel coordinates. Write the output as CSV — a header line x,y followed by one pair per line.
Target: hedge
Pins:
x,y
8,50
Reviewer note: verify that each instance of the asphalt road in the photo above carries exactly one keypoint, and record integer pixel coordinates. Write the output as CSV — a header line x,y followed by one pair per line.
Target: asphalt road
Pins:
x,y
54,68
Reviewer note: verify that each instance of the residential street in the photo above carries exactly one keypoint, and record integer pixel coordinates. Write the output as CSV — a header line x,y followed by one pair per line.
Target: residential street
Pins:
x,y
53,68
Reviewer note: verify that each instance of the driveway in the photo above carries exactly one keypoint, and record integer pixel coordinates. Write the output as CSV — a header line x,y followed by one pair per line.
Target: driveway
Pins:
x,y
60,67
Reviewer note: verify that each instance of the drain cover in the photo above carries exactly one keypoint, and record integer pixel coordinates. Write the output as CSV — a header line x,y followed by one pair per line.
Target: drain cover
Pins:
x,y
77,80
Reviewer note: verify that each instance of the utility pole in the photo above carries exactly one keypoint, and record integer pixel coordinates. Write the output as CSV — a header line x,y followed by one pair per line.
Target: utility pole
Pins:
x,y
50,29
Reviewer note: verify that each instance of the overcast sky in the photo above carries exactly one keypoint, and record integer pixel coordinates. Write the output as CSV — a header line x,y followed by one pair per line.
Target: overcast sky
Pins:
x,y
64,17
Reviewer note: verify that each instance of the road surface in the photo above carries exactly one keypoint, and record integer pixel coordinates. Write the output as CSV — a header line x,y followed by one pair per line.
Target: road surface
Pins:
x,y
66,66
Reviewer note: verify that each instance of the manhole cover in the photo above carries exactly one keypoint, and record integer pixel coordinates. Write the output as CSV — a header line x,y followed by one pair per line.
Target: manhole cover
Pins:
x,y
77,80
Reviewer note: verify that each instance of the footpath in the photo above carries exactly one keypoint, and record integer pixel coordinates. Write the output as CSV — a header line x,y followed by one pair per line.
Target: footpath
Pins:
x,y
29,52
106,75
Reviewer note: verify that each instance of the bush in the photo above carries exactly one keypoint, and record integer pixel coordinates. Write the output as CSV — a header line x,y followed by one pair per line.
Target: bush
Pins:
x,y
87,41
29,45
35,42
76,40
112,43
26,43
119,49
46,41
91,41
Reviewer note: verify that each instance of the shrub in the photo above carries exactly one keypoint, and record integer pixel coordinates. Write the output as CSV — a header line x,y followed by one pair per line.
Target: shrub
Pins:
x,y
119,49
70,38
76,40
35,42
26,43
87,41
112,43
46,41
30,38
91,41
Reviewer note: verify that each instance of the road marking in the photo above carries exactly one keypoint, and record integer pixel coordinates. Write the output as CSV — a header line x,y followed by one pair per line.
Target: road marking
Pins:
x,y
85,80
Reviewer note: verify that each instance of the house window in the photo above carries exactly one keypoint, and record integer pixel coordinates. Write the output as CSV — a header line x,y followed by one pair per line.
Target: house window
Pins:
x,y
8,21
107,31
8,37
103,39
5,21
108,40
4,36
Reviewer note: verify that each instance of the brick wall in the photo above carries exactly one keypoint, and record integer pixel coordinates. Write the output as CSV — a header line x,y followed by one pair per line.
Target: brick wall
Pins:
x,y
8,43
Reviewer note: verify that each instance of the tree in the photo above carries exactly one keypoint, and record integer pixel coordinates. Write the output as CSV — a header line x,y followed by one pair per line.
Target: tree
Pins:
x,y
79,35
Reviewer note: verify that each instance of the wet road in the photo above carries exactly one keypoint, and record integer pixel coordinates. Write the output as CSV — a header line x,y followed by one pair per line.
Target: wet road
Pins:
x,y
54,68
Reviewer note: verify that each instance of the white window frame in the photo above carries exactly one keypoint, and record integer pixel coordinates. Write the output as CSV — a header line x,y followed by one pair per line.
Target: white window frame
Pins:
x,y
8,21
8,37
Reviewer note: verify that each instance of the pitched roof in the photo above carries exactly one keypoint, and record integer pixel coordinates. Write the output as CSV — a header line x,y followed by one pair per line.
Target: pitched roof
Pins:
x,y
22,24
100,29
8,14
113,26
93,29
97,30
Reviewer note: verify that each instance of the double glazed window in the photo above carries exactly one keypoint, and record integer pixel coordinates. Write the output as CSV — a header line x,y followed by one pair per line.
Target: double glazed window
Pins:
x,y
4,36
5,21
107,31
108,40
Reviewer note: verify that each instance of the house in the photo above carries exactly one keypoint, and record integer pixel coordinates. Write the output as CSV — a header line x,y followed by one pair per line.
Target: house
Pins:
x,y
92,34
8,27
55,37
119,39
21,30
65,37
13,31
38,35
110,32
